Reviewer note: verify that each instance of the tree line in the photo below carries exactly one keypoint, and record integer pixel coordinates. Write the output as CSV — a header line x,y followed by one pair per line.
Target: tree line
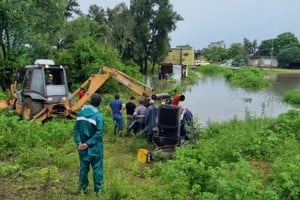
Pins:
x,y
133,35
285,47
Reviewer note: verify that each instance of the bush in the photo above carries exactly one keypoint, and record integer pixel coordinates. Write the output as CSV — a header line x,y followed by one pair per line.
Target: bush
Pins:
x,y
212,69
290,56
292,97
233,161
285,175
248,78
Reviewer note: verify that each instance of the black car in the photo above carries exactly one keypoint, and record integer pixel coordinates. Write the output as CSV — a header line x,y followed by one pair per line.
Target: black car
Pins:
x,y
237,63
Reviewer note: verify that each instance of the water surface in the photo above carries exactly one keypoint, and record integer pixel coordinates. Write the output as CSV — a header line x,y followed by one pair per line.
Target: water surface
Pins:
x,y
215,99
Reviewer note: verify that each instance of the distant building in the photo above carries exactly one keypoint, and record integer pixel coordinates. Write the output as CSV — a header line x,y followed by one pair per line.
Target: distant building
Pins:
x,y
181,55
220,44
263,61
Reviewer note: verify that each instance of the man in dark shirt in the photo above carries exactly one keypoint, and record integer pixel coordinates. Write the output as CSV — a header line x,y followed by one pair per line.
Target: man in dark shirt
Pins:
x,y
130,107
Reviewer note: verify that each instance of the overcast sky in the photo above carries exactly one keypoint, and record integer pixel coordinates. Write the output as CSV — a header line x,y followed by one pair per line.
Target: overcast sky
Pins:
x,y
207,21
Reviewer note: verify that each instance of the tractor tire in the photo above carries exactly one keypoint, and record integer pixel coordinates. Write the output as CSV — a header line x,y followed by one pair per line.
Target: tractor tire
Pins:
x,y
30,107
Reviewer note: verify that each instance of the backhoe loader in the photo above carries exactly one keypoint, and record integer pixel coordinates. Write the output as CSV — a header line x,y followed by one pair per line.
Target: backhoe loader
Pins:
x,y
38,99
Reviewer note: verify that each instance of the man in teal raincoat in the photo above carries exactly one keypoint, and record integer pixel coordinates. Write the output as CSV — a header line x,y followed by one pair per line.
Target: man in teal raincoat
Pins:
x,y
88,132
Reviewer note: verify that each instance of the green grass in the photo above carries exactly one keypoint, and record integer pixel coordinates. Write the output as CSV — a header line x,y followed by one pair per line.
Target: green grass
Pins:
x,y
251,78
250,159
292,97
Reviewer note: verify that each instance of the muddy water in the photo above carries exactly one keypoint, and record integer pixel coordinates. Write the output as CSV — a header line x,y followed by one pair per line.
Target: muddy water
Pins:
x,y
214,99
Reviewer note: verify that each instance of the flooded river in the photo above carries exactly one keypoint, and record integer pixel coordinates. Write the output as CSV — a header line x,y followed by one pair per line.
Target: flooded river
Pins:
x,y
215,99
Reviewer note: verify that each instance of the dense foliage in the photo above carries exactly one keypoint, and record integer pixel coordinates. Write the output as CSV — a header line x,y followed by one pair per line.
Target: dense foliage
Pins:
x,y
290,57
248,78
215,54
285,47
251,159
212,69
135,34
292,97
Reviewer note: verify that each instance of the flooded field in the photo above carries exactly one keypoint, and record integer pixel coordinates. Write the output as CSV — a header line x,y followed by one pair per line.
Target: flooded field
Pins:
x,y
215,99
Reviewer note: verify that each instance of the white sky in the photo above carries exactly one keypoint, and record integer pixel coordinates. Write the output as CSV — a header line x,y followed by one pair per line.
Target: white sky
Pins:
x,y
207,21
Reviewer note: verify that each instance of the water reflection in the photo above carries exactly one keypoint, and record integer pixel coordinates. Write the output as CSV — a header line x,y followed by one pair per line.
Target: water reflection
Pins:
x,y
214,99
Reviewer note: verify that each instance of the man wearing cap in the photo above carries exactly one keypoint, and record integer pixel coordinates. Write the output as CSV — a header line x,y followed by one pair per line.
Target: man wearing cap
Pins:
x,y
88,135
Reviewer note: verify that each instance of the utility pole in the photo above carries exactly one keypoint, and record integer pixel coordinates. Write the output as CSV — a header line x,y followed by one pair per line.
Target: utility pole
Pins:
x,y
272,54
180,56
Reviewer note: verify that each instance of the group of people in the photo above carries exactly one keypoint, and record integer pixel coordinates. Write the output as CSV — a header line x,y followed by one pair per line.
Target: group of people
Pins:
x,y
138,116
89,126
143,117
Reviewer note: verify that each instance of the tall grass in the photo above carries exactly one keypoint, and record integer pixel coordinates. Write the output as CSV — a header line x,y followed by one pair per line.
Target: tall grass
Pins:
x,y
292,97
212,69
252,159
249,78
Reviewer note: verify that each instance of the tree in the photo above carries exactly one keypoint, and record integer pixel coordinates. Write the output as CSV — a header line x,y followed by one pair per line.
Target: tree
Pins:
x,y
215,54
154,20
265,48
272,47
99,15
121,23
250,48
14,35
72,8
85,58
290,57
284,41
236,51
79,28
163,23
29,30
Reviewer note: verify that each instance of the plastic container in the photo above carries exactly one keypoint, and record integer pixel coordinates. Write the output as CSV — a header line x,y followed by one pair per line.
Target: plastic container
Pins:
x,y
143,155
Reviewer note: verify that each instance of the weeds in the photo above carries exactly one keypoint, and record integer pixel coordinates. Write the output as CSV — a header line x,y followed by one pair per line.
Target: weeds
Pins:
x,y
292,97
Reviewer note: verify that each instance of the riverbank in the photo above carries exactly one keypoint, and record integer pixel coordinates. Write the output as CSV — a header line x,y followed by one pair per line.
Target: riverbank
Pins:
x,y
282,70
253,158
40,161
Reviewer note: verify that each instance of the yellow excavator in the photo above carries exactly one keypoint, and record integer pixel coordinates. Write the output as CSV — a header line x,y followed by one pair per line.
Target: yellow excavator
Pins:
x,y
39,99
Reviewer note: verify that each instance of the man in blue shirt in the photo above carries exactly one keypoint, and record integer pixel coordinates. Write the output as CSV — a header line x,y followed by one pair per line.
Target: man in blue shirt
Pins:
x,y
116,106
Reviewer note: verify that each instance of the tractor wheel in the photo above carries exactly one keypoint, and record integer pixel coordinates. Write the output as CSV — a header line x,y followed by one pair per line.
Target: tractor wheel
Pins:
x,y
30,107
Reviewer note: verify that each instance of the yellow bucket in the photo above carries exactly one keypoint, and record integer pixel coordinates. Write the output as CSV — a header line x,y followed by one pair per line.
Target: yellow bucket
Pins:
x,y
143,155
3,104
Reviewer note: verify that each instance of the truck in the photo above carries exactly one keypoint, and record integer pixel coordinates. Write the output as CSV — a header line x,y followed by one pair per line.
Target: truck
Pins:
x,y
37,99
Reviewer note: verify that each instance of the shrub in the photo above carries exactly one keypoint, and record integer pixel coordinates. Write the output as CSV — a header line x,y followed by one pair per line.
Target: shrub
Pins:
x,y
292,97
248,78
285,176
212,69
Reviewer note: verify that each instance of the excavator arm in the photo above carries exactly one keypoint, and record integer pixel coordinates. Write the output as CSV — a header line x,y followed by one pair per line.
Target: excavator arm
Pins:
x,y
94,82
133,84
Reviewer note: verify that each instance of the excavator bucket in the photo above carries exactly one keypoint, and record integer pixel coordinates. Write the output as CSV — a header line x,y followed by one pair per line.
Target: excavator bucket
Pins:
x,y
3,104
